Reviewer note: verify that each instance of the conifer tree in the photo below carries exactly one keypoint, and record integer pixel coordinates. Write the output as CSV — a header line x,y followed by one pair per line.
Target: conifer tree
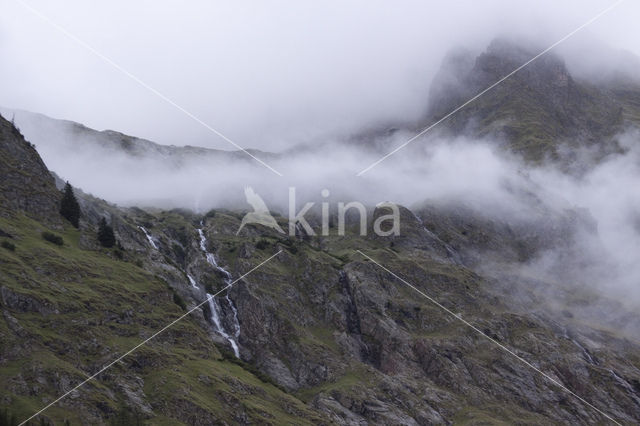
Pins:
x,y
105,234
69,207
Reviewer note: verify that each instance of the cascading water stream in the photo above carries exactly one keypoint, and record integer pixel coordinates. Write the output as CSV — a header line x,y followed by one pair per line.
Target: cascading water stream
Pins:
x,y
193,282
153,243
626,385
587,356
235,323
215,317
214,306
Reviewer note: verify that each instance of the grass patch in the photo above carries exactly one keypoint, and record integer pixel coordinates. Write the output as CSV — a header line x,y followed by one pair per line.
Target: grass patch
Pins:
x,y
8,245
178,300
52,238
264,378
262,244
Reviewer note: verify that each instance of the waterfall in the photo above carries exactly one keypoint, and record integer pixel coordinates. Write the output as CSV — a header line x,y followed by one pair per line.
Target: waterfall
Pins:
x,y
215,318
214,306
210,258
153,243
192,281
585,353
235,322
627,387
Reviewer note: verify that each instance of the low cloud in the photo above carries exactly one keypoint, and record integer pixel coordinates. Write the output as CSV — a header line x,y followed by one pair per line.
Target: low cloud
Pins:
x,y
474,173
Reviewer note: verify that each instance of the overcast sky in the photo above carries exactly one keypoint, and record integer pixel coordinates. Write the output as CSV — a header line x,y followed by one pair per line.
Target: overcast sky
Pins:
x,y
266,74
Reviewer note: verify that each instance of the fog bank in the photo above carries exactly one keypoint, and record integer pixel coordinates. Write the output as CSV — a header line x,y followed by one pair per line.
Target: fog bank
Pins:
x,y
268,75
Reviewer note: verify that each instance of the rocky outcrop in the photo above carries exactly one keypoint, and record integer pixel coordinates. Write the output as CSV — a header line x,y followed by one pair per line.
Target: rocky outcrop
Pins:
x,y
25,182
534,112
360,346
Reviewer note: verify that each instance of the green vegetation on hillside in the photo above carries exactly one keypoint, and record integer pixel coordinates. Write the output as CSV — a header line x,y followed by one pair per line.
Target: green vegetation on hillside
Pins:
x,y
106,237
69,207
70,311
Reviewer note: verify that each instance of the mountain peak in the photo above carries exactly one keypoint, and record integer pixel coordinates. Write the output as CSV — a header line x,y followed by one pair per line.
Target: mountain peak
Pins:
x,y
535,110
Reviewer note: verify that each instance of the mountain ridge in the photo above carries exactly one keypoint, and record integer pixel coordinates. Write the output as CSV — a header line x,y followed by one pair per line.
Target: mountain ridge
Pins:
x,y
38,127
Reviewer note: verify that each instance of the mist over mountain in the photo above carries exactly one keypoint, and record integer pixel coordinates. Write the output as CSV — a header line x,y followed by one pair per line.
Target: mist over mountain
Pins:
x,y
543,112
519,215
542,143
543,115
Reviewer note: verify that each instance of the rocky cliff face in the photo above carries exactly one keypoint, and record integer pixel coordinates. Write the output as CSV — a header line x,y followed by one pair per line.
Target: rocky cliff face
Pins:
x,y
352,341
26,184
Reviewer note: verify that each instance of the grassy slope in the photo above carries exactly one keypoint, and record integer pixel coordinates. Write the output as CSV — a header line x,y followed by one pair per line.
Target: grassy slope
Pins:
x,y
112,305
83,308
